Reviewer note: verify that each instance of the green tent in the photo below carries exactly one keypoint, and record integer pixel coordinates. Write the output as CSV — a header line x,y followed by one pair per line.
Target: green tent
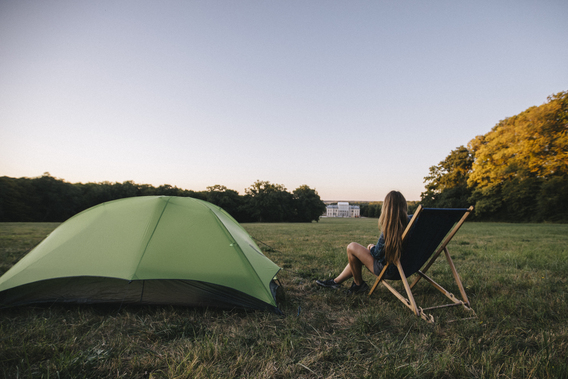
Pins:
x,y
151,249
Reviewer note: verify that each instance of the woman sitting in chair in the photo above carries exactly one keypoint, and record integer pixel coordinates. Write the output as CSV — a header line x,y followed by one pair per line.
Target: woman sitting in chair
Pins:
x,y
393,221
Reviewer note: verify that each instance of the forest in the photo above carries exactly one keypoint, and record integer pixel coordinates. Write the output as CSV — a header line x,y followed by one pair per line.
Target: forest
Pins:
x,y
517,172
48,199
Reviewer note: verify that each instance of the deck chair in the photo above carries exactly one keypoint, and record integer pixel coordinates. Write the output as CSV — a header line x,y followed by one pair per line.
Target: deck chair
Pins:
x,y
426,236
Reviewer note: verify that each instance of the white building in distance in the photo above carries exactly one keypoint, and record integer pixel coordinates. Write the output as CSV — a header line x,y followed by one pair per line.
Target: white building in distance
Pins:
x,y
342,209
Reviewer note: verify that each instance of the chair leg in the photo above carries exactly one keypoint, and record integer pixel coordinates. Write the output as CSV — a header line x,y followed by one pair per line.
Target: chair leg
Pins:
x,y
456,276
407,288
378,279
449,295
426,317
411,302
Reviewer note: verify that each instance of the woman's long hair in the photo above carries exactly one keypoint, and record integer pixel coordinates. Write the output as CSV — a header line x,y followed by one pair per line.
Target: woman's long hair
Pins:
x,y
393,221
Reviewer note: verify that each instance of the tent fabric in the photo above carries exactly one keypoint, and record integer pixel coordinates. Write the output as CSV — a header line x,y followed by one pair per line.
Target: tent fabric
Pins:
x,y
94,290
153,249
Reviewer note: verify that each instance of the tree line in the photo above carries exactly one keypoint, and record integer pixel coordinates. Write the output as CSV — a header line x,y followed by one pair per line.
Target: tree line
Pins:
x,y
373,208
516,172
48,199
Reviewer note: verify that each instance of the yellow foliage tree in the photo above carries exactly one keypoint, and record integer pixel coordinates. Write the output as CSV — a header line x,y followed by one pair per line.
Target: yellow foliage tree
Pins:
x,y
531,144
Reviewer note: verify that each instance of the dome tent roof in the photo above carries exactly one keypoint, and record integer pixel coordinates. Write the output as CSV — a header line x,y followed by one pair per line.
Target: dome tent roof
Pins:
x,y
151,249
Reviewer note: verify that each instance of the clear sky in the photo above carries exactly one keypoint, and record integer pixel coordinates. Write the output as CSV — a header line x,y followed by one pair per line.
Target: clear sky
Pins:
x,y
352,98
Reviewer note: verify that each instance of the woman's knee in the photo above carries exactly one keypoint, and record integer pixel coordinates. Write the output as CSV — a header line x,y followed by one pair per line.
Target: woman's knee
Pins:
x,y
356,249
352,246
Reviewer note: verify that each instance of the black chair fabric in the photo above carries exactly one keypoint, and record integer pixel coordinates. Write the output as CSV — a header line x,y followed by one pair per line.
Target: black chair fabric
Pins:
x,y
424,237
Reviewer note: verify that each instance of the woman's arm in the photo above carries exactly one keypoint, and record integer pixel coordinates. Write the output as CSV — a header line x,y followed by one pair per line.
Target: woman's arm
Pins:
x,y
377,251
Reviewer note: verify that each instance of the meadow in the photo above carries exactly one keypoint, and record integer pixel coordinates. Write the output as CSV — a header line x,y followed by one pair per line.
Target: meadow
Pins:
x,y
514,274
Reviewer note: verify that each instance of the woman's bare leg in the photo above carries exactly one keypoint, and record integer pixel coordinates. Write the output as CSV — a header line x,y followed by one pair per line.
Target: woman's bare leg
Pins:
x,y
358,255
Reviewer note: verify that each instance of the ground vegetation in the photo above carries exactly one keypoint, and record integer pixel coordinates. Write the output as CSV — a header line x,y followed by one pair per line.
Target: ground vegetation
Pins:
x,y
514,275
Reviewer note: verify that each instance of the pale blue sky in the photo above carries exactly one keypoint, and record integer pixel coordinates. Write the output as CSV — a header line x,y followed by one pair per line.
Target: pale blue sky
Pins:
x,y
353,98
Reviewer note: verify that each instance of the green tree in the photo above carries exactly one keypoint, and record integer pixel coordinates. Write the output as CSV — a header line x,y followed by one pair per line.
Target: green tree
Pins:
x,y
364,209
269,202
168,190
308,204
15,196
370,209
375,210
57,199
447,183
488,203
227,199
520,199
553,200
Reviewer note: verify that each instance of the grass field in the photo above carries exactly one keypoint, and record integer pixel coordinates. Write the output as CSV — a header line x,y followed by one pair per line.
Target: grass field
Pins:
x,y
514,274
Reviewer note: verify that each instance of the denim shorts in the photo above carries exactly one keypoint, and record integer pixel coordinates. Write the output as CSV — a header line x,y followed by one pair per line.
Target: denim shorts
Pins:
x,y
377,267
392,271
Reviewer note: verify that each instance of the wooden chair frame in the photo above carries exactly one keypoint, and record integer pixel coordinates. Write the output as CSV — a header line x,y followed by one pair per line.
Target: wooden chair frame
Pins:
x,y
410,302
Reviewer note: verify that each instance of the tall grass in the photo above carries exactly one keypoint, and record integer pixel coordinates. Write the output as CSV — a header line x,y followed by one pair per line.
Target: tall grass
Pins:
x,y
514,274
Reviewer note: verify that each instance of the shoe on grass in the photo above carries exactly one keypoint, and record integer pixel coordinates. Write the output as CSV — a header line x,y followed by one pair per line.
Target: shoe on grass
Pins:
x,y
358,288
330,283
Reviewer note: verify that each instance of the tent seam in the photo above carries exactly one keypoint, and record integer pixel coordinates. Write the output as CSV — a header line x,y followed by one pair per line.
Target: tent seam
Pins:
x,y
151,236
240,250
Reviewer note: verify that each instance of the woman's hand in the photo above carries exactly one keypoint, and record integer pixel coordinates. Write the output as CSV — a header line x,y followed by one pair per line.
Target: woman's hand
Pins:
x,y
370,246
